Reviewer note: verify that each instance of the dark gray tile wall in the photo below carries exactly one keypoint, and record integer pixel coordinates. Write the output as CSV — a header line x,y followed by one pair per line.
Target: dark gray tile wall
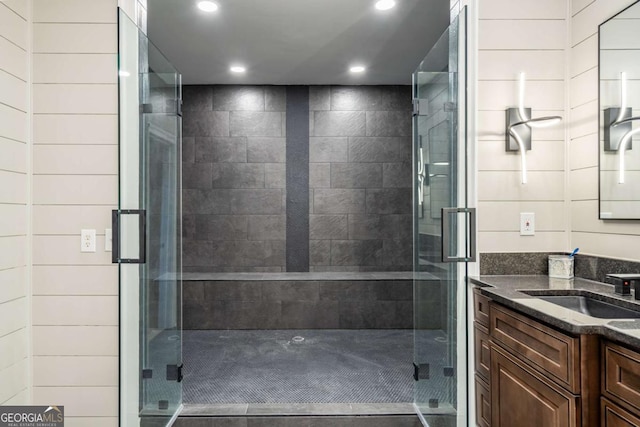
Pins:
x,y
234,178
298,304
360,178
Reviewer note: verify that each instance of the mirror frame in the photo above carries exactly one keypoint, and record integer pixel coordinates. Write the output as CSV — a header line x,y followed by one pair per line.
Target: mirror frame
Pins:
x,y
600,123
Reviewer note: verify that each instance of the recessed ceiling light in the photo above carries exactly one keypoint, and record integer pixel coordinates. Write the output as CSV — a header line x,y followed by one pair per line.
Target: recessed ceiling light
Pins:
x,y
385,4
207,6
357,69
237,69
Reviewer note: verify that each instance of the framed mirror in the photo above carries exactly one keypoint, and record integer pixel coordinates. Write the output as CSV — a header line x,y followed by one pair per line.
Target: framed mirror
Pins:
x,y
619,112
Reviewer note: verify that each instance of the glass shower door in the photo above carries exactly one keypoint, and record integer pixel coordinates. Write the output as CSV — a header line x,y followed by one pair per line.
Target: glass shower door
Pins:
x,y
442,222
147,232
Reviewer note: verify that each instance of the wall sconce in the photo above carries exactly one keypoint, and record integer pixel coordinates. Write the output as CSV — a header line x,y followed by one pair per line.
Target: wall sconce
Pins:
x,y
519,126
618,128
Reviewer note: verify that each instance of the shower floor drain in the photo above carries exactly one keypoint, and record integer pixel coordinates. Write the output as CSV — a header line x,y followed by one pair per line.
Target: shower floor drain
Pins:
x,y
297,339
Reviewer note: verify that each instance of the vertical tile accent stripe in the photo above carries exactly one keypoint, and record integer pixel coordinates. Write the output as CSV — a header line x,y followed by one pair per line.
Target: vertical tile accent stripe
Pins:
x,y
297,246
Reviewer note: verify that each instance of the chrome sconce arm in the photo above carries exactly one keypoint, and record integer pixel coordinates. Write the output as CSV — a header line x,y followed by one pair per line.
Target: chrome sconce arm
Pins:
x,y
522,145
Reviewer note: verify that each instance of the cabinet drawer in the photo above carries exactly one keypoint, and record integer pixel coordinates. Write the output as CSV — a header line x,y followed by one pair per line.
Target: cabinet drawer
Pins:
x,y
552,353
482,351
481,308
614,416
520,397
483,403
621,374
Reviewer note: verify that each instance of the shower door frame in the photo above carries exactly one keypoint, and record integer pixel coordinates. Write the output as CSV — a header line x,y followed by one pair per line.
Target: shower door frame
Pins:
x,y
149,127
466,17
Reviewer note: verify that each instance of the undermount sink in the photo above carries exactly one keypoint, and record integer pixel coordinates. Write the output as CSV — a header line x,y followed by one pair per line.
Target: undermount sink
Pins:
x,y
590,306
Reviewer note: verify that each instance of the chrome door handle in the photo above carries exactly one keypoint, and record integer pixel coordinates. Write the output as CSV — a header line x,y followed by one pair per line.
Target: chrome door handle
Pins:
x,y
470,256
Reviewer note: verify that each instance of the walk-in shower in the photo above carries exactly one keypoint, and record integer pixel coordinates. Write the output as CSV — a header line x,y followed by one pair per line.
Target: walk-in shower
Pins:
x,y
279,252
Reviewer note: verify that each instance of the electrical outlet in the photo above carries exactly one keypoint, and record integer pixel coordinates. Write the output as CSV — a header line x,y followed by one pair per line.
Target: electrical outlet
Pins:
x,y
527,224
108,238
87,240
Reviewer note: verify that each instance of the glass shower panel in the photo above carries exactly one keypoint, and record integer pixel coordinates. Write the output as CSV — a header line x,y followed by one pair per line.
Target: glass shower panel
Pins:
x,y
147,231
440,216
160,282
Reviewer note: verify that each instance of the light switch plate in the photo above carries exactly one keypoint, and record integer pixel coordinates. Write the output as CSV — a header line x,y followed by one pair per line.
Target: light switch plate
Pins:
x,y
108,238
87,240
527,224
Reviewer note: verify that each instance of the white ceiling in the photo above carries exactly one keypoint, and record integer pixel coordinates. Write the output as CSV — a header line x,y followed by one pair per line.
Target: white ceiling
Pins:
x,y
296,41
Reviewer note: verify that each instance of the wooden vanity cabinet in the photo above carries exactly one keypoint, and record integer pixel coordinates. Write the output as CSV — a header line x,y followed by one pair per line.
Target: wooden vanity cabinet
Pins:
x,y
481,308
620,386
553,354
521,397
614,416
532,372
482,355
483,402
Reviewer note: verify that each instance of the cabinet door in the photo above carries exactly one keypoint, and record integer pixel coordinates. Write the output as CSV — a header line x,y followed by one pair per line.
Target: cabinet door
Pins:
x,y
483,403
519,397
481,308
552,353
614,416
621,380
482,351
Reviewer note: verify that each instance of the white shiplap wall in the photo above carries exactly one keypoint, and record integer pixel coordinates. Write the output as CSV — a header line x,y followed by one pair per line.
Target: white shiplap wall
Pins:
x,y
75,295
14,202
603,238
521,36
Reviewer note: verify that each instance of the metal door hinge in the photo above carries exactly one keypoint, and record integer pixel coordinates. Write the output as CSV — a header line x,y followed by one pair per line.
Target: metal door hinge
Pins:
x,y
421,371
147,374
420,107
146,108
174,373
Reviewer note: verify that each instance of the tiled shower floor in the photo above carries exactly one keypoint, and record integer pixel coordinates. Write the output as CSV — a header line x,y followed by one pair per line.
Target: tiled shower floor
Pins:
x,y
328,366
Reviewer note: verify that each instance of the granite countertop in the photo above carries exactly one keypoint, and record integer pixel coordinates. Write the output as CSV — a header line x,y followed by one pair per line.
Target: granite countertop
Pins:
x,y
510,291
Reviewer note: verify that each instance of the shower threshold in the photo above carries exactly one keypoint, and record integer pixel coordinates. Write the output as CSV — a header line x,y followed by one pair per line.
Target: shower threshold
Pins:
x,y
293,409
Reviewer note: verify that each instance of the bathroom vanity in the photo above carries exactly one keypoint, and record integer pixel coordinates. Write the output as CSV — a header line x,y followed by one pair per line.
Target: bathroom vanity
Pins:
x,y
539,363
